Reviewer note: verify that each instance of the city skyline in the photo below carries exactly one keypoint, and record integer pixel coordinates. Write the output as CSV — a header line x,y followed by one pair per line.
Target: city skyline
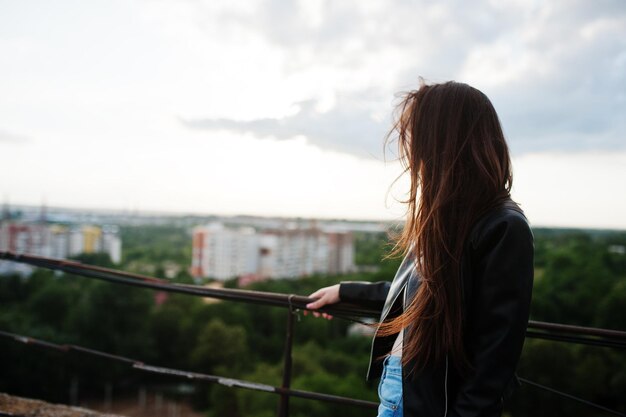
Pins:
x,y
275,108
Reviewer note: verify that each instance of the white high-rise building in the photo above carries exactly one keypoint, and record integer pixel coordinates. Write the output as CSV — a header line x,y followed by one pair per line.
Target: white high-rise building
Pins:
x,y
94,239
59,242
291,253
340,252
223,253
31,238
112,243
56,241
27,238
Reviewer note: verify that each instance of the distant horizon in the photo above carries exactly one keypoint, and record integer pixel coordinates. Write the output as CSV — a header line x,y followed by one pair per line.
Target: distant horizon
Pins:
x,y
174,213
282,109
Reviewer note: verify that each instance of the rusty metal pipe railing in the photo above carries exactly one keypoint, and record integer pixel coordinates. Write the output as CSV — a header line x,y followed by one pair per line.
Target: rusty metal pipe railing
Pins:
x,y
229,382
144,281
572,334
550,331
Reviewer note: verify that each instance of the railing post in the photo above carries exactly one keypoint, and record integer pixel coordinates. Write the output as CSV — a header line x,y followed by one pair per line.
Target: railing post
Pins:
x,y
283,407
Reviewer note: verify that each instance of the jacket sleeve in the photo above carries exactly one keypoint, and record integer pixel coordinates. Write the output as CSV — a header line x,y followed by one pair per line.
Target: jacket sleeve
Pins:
x,y
365,294
498,313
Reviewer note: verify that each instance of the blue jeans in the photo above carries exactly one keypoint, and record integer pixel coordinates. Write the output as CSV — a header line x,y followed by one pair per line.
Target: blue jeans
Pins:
x,y
390,388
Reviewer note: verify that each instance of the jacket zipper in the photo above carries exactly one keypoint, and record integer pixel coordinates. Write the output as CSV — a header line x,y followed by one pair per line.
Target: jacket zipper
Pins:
x,y
369,367
445,387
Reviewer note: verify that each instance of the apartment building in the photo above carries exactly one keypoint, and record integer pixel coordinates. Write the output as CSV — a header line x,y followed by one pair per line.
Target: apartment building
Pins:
x,y
223,253
56,241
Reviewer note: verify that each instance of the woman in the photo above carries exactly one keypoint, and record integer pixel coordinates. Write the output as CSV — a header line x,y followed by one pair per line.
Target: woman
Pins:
x,y
454,318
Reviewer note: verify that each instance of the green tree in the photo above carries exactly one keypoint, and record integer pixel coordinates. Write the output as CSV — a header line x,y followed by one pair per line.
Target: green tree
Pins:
x,y
220,345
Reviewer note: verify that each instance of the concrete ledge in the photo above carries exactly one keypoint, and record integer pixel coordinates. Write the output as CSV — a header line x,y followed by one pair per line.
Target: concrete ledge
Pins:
x,y
25,407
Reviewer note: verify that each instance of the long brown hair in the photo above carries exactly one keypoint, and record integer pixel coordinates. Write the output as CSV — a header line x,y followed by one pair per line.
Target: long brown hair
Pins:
x,y
451,143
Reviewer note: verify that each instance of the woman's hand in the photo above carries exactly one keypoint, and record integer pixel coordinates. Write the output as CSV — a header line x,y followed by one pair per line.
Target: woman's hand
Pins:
x,y
326,295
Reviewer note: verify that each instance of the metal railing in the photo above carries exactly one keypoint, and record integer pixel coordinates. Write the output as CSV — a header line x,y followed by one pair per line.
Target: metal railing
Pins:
x,y
293,303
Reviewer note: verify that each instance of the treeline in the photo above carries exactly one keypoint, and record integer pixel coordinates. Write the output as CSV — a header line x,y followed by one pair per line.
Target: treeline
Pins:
x,y
580,279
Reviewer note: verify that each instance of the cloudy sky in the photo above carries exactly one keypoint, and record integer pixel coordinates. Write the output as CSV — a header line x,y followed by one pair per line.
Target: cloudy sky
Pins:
x,y
280,107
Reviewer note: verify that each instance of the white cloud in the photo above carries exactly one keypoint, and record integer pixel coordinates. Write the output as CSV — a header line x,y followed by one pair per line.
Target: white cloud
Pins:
x,y
582,189
9,137
289,100
554,70
348,126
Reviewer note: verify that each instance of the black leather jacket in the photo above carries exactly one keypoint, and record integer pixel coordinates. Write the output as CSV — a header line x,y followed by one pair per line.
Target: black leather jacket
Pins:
x,y
497,279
